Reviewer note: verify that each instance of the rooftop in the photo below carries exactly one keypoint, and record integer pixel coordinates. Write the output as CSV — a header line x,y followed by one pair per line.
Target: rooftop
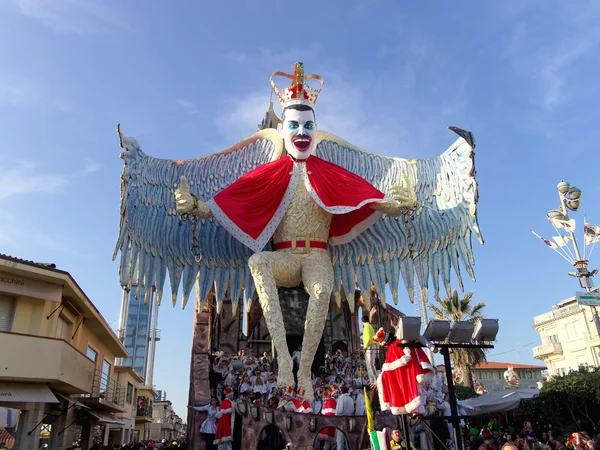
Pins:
x,y
491,365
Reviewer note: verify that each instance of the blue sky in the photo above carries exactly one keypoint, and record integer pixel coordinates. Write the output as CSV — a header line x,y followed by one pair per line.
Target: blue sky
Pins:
x,y
190,78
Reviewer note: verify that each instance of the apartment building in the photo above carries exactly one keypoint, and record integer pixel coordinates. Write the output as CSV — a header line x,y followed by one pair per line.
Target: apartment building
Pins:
x,y
58,361
569,338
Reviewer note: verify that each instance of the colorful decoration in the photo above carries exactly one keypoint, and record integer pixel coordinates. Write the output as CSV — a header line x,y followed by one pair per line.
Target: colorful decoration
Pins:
x,y
511,377
457,376
296,205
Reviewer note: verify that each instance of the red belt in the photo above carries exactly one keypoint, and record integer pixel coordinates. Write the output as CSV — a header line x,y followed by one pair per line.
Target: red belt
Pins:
x,y
300,243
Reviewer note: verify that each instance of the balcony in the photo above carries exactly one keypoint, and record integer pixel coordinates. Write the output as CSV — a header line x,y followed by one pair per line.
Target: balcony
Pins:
x,y
165,423
592,338
546,350
32,358
144,414
107,394
154,333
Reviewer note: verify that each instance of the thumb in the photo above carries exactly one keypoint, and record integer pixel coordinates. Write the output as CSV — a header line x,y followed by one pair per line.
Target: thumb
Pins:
x,y
183,184
406,182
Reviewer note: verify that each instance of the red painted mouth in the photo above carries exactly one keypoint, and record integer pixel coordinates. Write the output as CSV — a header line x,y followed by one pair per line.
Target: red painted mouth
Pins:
x,y
302,143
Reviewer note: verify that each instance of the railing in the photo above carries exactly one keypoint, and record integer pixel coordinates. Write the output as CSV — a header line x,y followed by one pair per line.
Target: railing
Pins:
x,y
565,310
108,389
144,411
591,337
154,333
547,349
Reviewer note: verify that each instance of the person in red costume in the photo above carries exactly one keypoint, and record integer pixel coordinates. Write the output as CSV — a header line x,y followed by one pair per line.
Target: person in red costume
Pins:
x,y
225,416
405,375
303,204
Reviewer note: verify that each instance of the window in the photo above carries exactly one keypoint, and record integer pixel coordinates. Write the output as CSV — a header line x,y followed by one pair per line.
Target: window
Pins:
x,y
129,393
91,353
64,328
7,306
105,375
553,339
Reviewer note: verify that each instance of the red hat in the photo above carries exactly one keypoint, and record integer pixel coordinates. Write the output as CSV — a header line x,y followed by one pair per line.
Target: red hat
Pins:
x,y
227,391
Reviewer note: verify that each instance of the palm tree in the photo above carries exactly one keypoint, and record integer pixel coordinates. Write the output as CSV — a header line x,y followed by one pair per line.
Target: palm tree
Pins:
x,y
455,309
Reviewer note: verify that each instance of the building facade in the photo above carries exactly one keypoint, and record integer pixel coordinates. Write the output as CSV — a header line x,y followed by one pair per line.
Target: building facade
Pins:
x,y
490,375
58,357
569,338
137,330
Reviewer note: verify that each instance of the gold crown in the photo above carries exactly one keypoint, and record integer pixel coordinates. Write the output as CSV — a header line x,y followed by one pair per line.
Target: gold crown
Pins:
x,y
299,92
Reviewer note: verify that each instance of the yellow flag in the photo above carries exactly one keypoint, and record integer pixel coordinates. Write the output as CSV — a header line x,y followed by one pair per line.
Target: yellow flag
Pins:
x,y
370,415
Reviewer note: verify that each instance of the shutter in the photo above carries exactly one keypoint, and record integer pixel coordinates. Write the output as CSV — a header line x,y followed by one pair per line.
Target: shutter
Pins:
x,y
7,305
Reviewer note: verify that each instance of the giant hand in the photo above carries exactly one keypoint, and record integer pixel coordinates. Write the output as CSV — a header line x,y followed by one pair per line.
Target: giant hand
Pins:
x,y
403,200
187,203
405,195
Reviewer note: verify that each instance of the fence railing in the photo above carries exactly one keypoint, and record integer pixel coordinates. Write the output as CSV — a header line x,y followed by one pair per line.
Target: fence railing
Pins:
x,y
108,389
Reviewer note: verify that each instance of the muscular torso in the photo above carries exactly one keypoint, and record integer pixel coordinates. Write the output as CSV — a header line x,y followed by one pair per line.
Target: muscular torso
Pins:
x,y
304,217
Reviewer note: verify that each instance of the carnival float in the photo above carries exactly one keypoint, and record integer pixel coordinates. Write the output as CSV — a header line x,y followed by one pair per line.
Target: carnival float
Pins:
x,y
308,232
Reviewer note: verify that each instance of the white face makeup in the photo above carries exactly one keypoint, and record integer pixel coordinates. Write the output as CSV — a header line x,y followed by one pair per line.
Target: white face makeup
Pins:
x,y
299,132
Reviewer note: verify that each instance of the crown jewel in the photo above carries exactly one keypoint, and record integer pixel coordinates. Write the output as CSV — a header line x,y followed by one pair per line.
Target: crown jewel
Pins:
x,y
299,92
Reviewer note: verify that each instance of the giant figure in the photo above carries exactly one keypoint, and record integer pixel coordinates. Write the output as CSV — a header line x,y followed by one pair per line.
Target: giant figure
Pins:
x,y
296,205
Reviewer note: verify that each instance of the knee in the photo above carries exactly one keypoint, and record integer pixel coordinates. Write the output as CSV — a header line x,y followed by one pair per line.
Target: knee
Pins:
x,y
255,261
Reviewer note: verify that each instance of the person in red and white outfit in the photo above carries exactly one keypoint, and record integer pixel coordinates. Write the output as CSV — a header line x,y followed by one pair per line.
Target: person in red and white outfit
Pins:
x,y
326,437
225,416
405,376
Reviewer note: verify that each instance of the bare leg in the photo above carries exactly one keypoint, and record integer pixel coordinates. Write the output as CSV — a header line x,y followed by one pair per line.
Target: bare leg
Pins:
x,y
317,275
269,268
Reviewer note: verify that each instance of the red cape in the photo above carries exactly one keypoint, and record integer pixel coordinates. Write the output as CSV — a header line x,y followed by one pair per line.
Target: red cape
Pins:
x,y
252,207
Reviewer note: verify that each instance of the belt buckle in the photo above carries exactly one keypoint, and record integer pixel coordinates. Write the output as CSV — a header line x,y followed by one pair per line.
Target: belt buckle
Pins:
x,y
305,250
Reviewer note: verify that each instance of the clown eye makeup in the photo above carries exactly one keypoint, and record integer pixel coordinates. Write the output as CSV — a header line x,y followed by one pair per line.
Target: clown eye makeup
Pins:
x,y
309,126
292,125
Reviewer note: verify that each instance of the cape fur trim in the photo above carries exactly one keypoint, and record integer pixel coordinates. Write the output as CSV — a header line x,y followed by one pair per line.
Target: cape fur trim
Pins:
x,y
259,243
401,362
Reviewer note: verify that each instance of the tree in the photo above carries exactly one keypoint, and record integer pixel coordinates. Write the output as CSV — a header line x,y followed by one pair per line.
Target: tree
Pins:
x,y
455,309
570,402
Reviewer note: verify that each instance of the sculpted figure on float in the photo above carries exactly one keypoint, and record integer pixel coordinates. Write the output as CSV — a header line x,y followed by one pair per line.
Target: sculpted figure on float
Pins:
x,y
296,205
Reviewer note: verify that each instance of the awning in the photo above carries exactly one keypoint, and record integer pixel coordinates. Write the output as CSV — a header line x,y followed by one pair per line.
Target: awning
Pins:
x,y
26,393
498,401
71,400
8,417
106,419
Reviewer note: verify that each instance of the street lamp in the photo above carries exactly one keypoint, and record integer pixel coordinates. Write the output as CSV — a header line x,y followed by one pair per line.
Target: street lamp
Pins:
x,y
570,200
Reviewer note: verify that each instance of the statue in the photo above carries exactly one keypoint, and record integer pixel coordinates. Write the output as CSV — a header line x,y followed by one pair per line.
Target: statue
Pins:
x,y
296,205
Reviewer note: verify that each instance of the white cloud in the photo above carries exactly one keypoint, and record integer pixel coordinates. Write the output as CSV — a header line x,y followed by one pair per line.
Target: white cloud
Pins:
x,y
73,16
548,60
22,178
188,106
17,91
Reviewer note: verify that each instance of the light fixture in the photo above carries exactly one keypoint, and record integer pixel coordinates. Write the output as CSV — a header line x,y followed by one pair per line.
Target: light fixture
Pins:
x,y
288,422
254,411
556,214
486,330
269,417
409,328
351,424
242,408
563,187
437,330
573,205
461,331
574,193
312,423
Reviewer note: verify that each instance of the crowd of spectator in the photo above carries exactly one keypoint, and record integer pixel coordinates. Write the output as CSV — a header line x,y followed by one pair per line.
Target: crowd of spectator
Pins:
x,y
254,379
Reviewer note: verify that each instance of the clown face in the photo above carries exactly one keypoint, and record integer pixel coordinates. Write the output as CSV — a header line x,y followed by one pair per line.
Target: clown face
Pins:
x,y
299,132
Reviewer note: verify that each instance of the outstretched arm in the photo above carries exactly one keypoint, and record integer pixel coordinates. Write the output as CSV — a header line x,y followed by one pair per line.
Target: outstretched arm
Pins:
x,y
188,203
404,199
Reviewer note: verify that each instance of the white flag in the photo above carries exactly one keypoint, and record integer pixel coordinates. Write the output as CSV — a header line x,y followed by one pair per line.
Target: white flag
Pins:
x,y
568,225
561,241
591,233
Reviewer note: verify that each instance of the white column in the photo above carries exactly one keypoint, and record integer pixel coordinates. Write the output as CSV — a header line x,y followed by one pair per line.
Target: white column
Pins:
x,y
152,344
